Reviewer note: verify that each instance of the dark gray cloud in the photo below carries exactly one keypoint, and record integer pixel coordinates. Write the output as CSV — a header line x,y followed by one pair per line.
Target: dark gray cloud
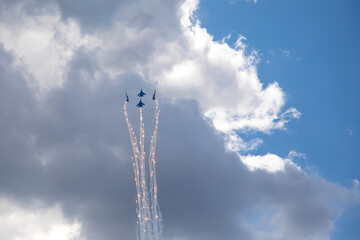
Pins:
x,y
96,15
61,150
92,14
71,147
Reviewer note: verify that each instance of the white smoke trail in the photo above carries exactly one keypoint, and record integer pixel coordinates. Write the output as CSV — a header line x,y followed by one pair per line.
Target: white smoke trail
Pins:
x,y
157,225
149,215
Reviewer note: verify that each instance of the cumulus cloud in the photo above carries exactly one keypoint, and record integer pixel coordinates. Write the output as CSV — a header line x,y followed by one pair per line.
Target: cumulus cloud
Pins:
x,y
42,40
70,148
269,162
36,223
181,59
222,79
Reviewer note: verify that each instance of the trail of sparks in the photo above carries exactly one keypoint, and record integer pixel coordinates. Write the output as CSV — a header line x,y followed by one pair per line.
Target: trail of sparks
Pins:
x,y
149,215
157,226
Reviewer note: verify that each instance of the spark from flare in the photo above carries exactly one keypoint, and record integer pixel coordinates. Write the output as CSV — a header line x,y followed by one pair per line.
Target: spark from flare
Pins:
x,y
149,216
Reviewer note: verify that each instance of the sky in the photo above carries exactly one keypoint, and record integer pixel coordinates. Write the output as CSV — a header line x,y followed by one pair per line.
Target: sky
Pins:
x,y
258,129
311,49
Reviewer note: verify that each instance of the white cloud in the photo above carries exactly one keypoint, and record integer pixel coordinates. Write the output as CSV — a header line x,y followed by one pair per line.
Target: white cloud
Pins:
x,y
224,39
356,184
184,63
80,133
235,143
36,223
283,53
232,2
293,154
350,132
42,43
269,162
222,79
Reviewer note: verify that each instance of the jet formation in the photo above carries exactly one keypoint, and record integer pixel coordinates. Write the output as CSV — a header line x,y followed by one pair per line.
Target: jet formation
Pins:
x,y
149,224
141,94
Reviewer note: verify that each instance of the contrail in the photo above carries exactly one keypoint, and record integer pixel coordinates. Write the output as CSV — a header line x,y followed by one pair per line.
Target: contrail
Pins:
x,y
148,210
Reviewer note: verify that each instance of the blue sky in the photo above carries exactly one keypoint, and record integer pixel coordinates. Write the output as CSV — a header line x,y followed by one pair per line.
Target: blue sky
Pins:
x,y
229,126
312,49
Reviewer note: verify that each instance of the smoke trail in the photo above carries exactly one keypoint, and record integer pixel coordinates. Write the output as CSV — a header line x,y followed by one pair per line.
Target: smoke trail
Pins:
x,y
149,215
157,226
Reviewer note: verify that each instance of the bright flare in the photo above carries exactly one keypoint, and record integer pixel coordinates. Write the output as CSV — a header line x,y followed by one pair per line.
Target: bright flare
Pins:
x,y
148,210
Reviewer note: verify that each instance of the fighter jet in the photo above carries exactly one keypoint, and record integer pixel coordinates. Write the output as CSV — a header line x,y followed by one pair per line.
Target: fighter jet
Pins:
x,y
127,97
153,98
140,104
141,94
